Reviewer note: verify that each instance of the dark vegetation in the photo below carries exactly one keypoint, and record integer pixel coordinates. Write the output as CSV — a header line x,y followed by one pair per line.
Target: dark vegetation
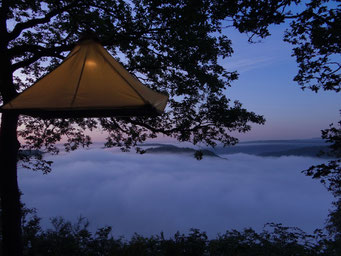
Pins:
x,y
67,239
329,175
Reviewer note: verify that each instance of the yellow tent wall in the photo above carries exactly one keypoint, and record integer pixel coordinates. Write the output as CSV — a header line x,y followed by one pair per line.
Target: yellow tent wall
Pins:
x,y
89,82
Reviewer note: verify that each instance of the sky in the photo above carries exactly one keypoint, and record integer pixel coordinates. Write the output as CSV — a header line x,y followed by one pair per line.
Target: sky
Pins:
x,y
266,87
150,193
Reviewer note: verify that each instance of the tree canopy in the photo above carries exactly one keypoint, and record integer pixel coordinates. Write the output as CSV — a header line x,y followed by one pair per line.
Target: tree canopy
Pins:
x,y
173,47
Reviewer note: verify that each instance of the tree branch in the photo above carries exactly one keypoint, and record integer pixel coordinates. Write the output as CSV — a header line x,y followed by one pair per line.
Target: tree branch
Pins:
x,y
3,16
31,23
33,59
38,50
166,132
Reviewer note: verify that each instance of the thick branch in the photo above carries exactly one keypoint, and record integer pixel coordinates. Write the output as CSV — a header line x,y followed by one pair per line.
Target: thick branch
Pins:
x,y
31,60
166,132
38,50
3,15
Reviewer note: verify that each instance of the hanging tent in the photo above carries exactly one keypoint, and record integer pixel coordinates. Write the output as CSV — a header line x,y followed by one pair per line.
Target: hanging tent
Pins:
x,y
88,83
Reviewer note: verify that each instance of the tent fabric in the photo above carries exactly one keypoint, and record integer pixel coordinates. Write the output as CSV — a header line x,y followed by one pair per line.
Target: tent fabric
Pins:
x,y
89,82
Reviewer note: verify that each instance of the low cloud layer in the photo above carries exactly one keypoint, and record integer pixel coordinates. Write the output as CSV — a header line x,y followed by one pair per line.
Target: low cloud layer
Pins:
x,y
148,194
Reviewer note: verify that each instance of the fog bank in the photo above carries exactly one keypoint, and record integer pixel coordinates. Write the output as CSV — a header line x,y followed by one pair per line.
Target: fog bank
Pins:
x,y
149,193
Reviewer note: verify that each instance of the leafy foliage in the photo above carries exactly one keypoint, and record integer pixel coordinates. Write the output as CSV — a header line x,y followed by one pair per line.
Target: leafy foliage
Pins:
x,y
329,175
316,35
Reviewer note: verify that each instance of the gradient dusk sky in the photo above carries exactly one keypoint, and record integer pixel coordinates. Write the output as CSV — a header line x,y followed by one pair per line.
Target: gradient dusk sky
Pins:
x,y
266,87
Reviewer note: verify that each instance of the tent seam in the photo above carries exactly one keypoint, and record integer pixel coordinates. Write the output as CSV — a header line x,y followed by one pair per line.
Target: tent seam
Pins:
x,y
79,80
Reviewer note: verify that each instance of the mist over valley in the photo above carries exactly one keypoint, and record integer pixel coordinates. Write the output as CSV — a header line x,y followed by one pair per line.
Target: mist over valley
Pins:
x,y
170,191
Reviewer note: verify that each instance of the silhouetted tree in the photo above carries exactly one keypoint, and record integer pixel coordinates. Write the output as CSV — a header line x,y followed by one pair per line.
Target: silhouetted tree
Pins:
x,y
329,175
172,47
316,35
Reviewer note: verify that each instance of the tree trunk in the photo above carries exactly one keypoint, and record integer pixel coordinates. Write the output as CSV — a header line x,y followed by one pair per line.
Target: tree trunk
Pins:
x,y
9,191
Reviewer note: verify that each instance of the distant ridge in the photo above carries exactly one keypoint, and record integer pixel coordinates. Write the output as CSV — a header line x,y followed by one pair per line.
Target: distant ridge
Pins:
x,y
264,148
304,141
305,151
171,149
276,148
